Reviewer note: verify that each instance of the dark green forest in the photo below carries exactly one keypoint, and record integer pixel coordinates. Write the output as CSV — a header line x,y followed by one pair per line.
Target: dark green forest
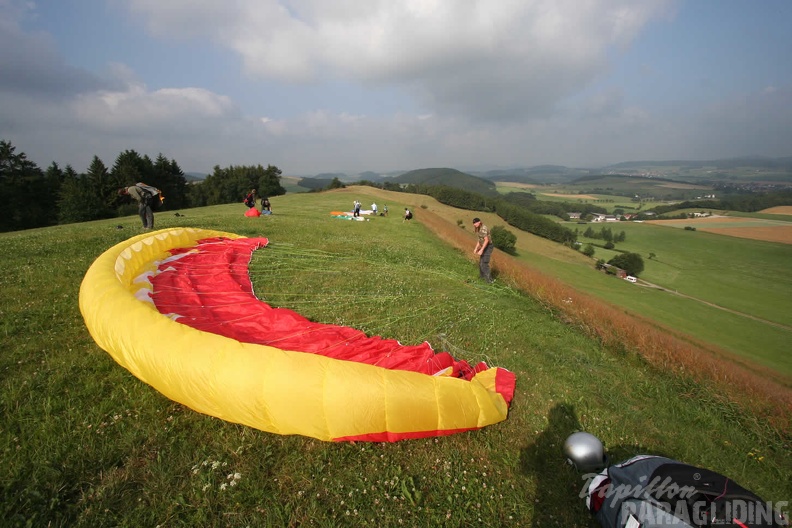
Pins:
x,y
38,198
746,203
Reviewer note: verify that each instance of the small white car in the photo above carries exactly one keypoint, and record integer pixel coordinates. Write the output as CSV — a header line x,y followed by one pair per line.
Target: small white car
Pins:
x,y
630,278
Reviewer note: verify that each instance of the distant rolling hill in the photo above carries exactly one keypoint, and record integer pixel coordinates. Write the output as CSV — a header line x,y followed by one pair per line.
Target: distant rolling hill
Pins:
x,y
755,162
195,176
535,175
314,183
449,178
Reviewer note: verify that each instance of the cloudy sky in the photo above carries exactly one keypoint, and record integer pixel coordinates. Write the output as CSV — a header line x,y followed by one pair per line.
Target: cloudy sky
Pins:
x,y
351,85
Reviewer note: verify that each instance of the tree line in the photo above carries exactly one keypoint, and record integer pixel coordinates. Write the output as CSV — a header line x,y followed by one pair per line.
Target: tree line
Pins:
x,y
559,209
606,234
33,197
746,203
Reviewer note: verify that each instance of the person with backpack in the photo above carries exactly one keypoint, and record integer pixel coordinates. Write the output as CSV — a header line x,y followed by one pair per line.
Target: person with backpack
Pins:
x,y
266,207
407,214
145,200
250,199
483,249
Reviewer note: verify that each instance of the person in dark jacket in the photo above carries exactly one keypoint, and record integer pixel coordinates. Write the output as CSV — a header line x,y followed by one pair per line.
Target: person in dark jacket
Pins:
x,y
144,200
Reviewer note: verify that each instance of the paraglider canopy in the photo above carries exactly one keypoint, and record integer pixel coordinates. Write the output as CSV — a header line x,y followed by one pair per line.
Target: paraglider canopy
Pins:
x,y
213,346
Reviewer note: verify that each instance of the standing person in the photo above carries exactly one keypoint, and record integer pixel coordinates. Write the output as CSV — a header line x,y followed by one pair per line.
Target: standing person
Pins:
x,y
483,249
357,209
407,214
374,209
250,199
144,200
385,210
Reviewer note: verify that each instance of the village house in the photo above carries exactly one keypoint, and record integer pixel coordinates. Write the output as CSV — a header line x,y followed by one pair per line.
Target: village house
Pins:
x,y
604,218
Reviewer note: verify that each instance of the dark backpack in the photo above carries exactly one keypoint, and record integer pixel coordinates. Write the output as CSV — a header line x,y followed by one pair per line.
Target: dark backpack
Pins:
x,y
652,491
152,196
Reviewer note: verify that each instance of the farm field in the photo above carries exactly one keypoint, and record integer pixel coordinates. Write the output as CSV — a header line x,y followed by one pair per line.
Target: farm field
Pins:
x,y
694,262
87,444
653,189
769,230
746,341
757,282
780,210
607,201
568,194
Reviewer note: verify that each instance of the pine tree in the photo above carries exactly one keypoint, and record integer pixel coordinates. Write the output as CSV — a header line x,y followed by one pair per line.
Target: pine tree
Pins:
x,y
269,182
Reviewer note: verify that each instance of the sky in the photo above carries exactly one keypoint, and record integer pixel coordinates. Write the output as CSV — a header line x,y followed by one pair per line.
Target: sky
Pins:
x,y
316,86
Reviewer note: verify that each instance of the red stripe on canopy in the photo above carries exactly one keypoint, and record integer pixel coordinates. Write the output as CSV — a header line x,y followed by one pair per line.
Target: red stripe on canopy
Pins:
x,y
208,287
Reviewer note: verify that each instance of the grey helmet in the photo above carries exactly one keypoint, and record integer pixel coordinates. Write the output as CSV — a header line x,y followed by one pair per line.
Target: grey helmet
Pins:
x,y
585,451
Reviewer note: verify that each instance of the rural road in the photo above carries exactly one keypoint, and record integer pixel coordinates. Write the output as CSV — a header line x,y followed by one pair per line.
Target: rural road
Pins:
x,y
647,284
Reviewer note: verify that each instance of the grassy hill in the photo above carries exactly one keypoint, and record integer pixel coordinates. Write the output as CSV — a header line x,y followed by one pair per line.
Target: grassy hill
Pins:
x,y
535,175
743,307
642,186
746,170
195,176
87,444
448,177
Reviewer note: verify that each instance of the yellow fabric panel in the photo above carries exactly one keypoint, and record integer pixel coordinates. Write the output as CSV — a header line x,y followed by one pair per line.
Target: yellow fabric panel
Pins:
x,y
279,391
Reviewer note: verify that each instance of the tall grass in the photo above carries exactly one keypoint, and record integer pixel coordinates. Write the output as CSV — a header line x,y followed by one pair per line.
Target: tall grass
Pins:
x,y
86,444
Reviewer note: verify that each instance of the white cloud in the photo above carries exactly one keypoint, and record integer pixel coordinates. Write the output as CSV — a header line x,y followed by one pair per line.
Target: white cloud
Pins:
x,y
139,108
498,83
490,60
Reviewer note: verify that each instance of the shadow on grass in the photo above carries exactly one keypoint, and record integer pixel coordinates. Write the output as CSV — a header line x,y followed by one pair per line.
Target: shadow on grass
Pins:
x,y
557,484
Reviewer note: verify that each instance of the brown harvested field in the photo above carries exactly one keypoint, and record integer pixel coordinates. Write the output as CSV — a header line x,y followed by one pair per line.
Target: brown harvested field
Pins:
x,y
715,219
782,234
780,210
519,185
571,196
675,185
753,228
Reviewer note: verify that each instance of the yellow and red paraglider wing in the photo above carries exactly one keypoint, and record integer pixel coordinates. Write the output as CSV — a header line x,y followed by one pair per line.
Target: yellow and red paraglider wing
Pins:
x,y
213,346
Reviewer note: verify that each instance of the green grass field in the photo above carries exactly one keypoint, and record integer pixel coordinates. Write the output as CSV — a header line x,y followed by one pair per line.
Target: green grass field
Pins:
x,y
745,276
87,444
608,201
764,216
